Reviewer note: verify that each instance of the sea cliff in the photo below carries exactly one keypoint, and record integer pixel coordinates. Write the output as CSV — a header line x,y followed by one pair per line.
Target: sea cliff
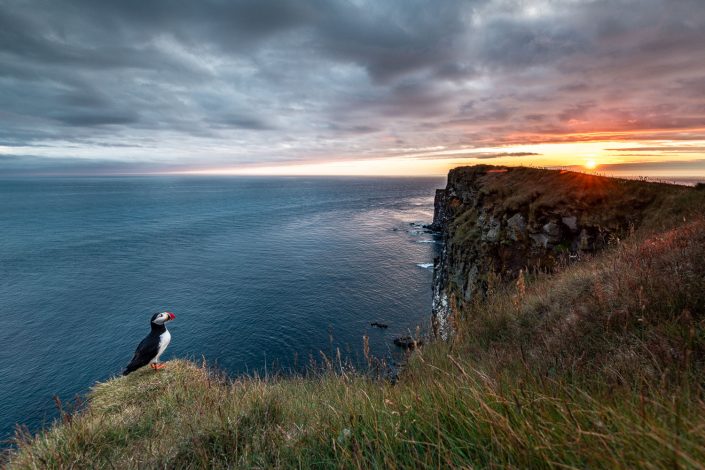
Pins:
x,y
498,222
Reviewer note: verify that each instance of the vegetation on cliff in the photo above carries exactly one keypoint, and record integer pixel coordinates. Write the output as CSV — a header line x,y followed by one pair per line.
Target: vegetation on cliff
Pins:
x,y
500,221
599,364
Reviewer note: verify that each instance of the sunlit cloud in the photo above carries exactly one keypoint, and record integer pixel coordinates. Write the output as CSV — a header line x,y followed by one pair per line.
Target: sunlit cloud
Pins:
x,y
383,87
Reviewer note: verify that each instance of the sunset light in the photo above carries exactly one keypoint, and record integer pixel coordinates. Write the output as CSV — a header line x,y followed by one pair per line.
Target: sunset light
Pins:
x,y
556,84
617,158
406,233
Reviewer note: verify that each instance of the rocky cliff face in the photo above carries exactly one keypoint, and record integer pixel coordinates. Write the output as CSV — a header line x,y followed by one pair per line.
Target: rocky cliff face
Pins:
x,y
498,221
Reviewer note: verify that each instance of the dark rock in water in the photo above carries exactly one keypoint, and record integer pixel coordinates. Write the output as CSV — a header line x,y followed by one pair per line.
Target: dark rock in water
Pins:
x,y
443,205
379,325
421,228
407,342
433,230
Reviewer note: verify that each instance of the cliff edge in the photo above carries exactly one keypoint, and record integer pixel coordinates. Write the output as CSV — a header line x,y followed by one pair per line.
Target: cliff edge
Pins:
x,y
499,221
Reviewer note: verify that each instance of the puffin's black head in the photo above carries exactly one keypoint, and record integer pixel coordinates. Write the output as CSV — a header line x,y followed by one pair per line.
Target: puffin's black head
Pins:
x,y
161,318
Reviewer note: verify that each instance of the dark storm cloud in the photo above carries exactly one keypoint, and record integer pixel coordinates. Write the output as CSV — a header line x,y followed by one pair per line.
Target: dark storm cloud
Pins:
x,y
242,122
95,119
510,44
390,39
178,82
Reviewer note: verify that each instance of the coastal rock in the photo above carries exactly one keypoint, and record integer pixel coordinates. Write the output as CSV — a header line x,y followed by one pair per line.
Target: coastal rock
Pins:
x,y
540,239
571,222
407,342
471,283
496,221
553,232
516,227
491,229
441,213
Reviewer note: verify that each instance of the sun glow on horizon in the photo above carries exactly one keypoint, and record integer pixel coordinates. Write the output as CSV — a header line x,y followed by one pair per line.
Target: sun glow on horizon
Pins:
x,y
618,158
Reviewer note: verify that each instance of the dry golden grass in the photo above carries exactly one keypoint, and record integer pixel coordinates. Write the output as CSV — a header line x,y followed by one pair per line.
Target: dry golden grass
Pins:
x,y
601,200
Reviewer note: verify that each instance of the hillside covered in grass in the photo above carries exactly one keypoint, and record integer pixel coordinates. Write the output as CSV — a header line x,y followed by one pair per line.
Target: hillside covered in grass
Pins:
x,y
596,364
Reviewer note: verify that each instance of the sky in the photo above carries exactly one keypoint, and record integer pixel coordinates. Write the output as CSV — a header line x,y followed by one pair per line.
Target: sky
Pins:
x,y
388,87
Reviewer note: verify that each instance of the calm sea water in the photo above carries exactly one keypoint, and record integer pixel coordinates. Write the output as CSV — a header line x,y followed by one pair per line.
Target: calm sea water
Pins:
x,y
256,270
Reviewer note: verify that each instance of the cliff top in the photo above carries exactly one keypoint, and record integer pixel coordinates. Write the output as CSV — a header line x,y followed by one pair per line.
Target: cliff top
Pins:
x,y
601,200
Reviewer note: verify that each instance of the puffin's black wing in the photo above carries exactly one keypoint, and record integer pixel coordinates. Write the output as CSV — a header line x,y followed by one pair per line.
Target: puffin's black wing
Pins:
x,y
146,351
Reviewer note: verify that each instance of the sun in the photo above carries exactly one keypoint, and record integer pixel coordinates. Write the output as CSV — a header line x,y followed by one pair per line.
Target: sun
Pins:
x,y
591,164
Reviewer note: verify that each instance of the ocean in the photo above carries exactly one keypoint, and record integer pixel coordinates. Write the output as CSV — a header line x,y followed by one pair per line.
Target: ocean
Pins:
x,y
262,273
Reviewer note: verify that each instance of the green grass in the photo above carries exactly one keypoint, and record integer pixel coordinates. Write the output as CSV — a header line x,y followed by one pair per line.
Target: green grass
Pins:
x,y
599,365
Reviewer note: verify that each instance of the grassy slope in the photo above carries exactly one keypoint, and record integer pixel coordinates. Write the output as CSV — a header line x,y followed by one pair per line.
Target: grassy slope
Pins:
x,y
598,365
600,199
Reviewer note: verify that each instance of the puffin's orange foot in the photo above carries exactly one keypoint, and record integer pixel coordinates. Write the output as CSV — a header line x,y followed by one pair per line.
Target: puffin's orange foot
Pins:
x,y
158,366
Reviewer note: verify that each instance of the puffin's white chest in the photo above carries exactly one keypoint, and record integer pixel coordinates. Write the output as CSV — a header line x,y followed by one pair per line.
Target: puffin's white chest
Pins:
x,y
164,340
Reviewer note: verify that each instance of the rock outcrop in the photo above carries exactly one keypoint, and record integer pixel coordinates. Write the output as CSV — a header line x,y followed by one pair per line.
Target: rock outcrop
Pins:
x,y
498,221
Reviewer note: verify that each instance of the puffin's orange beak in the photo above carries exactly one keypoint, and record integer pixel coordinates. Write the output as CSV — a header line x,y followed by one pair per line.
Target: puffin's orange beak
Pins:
x,y
171,315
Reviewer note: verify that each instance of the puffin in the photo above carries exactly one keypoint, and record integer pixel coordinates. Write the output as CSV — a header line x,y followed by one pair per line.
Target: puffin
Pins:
x,y
153,345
